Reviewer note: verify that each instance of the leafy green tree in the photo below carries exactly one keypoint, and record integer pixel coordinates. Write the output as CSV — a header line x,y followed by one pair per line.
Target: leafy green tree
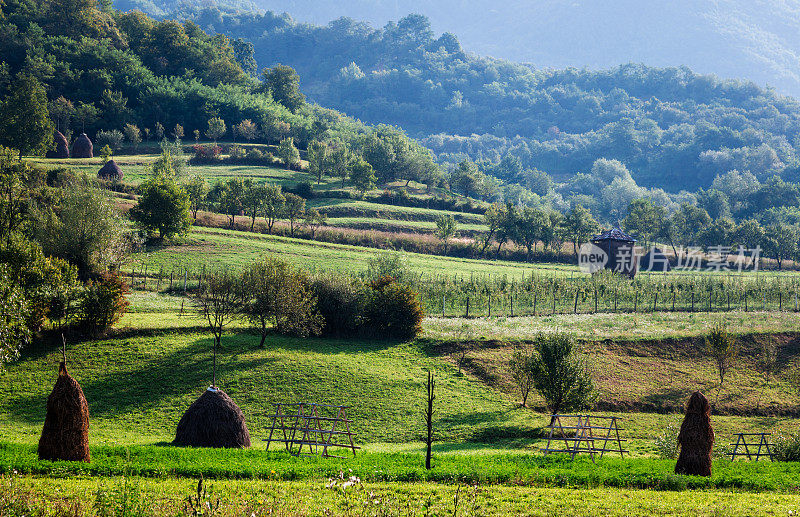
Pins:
x,y
177,132
315,219
197,190
284,85
228,198
253,201
112,139
560,374
288,153
61,110
781,242
579,225
279,296
317,158
467,179
25,124
748,234
493,218
216,129
85,229
723,348
163,206
158,130
362,175
294,209
340,162
530,228
246,129
645,220
274,205
445,229
133,134
684,225
14,331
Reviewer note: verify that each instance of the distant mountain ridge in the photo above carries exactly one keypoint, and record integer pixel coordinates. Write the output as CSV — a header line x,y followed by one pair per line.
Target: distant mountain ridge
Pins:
x,y
757,40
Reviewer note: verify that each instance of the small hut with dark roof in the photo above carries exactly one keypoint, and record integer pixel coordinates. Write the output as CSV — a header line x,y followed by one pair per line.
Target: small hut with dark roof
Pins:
x,y
620,249
65,435
213,420
61,149
82,147
110,171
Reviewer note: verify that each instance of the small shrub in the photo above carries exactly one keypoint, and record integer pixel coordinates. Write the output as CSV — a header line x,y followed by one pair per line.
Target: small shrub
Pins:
x,y
342,302
666,443
103,303
236,152
305,190
786,447
206,154
394,310
112,139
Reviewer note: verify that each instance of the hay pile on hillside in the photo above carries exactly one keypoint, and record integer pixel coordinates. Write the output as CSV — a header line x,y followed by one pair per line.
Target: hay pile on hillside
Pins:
x,y
110,171
82,147
61,149
213,420
65,435
696,438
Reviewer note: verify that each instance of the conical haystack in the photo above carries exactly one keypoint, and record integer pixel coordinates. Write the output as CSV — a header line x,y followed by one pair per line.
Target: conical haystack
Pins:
x,y
61,149
696,438
110,171
65,435
213,420
82,147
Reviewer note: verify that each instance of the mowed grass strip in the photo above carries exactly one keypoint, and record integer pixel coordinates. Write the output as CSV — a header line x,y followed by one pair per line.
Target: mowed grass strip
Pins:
x,y
215,247
81,496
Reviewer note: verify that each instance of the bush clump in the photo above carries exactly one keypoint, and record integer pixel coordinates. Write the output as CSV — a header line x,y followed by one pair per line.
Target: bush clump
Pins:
x,y
786,447
103,303
394,310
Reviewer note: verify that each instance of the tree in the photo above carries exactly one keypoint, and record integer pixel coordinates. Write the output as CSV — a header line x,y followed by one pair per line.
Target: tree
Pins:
x,y
61,110
197,190
521,367
112,138
781,242
315,219
163,206
685,223
723,349
246,129
280,296
177,133
493,217
645,220
340,161
530,228
216,129
158,130
253,200
284,84
579,225
85,114
274,205
445,229
317,157
85,229
560,375
133,135
219,302
295,209
25,124
362,175
14,331
288,153
228,198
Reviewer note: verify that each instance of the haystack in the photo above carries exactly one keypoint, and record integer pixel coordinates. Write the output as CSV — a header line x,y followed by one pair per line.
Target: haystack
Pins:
x,y
696,438
82,147
110,171
66,426
61,149
213,420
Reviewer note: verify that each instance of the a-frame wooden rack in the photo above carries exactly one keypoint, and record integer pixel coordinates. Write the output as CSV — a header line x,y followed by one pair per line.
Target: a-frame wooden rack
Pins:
x,y
313,426
763,444
587,433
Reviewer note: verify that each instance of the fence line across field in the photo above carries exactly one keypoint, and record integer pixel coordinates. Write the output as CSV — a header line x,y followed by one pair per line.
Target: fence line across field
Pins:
x,y
542,294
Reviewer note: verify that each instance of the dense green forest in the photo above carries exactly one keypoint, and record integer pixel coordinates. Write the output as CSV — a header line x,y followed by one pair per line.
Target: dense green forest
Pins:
x,y
672,128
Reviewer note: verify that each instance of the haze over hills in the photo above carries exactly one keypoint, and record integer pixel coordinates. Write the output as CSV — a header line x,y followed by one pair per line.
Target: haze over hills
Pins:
x,y
757,40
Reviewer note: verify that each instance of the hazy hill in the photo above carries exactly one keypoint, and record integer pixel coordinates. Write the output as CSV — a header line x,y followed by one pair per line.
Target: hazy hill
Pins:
x,y
748,39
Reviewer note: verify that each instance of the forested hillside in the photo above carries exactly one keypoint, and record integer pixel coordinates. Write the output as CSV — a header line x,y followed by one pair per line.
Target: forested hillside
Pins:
x,y
672,128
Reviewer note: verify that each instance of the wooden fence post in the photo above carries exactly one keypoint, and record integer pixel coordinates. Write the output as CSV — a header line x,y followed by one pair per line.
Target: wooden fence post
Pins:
x,y
467,315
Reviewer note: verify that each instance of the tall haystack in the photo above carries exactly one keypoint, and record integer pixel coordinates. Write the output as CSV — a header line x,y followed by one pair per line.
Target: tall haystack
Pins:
x,y
65,435
696,438
61,149
82,147
213,420
110,171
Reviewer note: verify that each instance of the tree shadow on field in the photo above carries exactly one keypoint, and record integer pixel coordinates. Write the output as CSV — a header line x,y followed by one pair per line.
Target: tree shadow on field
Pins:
x,y
183,371
326,344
